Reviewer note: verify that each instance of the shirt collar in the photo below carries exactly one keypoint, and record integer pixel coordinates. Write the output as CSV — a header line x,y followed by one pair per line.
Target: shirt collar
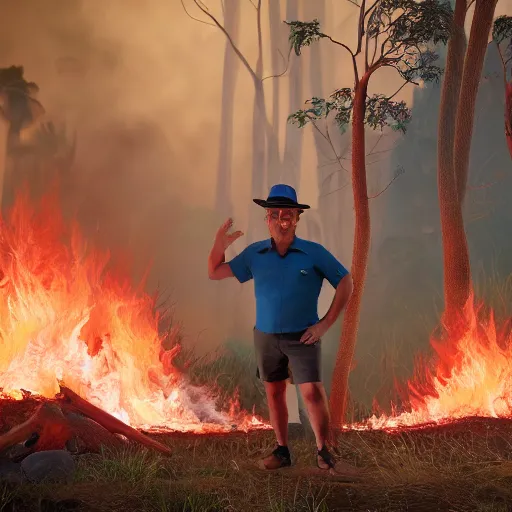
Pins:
x,y
296,246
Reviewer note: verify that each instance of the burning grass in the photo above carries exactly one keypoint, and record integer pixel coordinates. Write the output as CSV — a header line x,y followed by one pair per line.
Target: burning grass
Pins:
x,y
69,313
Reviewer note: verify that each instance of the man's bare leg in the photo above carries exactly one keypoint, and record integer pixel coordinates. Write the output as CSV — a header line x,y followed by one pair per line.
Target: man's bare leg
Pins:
x,y
318,410
292,401
278,410
276,398
315,399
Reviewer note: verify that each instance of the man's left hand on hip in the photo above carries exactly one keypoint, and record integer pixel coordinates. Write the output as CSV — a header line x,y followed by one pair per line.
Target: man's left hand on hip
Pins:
x,y
314,333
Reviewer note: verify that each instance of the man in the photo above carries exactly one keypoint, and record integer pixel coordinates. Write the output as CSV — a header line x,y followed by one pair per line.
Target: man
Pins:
x,y
288,273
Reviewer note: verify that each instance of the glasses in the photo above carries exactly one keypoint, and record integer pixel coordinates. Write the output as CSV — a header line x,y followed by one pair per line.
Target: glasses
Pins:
x,y
288,215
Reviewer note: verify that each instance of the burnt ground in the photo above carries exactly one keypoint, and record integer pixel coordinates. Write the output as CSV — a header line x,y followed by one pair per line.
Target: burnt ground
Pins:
x,y
463,466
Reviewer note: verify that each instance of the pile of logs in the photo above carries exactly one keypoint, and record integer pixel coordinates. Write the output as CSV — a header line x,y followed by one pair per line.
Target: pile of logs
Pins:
x,y
70,422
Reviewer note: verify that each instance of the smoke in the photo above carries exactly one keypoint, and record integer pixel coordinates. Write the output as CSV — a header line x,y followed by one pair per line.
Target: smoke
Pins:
x,y
140,83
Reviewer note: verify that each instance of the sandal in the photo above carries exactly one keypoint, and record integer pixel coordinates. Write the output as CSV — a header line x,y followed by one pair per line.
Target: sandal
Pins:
x,y
324,459
326,462
279,458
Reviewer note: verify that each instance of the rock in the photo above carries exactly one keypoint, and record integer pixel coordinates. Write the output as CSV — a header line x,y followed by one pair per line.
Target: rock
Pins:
x,y
19,451
49,466
10,472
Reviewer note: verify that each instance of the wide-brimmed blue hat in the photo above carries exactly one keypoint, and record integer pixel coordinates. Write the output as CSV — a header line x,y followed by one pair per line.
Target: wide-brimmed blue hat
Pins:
x,y
281,196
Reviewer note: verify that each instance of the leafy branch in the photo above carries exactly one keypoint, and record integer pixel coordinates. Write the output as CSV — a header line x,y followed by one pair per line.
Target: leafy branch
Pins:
x,y
502,33
304,33
380,111
401,34
405,31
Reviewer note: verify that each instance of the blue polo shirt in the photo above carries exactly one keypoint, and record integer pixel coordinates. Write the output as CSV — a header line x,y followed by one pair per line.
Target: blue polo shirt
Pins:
x,y
287,287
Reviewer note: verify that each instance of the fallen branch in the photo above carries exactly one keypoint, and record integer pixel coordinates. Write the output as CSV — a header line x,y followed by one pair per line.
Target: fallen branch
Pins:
x,y
48,423
76,403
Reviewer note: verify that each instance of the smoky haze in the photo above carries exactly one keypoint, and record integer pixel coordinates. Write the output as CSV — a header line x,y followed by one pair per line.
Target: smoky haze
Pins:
x,y
141,84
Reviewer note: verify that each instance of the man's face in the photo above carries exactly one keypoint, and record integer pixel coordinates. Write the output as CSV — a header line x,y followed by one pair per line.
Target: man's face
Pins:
x,y
282,223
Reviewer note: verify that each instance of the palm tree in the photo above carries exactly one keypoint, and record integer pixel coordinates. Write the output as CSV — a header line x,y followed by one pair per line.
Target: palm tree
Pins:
x,y
18,109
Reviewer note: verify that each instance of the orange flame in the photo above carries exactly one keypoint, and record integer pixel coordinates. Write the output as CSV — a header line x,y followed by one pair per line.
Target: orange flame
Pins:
x,y
66,316
471,376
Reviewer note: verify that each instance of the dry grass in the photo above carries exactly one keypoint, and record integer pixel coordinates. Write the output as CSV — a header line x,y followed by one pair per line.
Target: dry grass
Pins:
x,y
463,467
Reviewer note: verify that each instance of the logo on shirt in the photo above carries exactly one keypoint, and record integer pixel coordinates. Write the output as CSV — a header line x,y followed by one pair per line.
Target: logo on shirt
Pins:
x,y
304,272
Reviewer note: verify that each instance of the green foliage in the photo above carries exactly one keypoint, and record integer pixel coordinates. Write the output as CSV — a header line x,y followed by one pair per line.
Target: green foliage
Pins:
x,y
419,66
303,34
380,111
502,32
399,34
341,102
19,107
403,30
408,30
502,29
409,22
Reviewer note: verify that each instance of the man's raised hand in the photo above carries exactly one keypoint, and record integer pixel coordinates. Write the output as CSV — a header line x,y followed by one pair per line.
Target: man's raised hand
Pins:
x,y
223,239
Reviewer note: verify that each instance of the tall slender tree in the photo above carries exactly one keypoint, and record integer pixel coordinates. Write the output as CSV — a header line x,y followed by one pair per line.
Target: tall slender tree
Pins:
x,y
455,249
456,120
267,165
472,73
390,33
223,202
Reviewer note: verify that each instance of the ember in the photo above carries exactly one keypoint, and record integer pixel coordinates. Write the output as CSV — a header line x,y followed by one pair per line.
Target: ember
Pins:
x,y
65,316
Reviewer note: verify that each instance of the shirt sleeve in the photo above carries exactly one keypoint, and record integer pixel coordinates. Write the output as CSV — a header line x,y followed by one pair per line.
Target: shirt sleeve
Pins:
x,y
330,267
241,266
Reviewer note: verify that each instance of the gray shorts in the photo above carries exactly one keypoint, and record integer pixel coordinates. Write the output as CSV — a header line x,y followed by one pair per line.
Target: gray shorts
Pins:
x,y
277,354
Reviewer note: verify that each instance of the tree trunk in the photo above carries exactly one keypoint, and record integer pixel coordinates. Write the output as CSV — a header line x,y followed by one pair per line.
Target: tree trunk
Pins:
x,y
361,250
455,249
273,155
473,65
291,165
223,201
260,134
508,115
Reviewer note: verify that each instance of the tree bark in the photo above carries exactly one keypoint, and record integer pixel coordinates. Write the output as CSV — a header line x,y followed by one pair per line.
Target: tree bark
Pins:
x,y
473,65
343,365
455,249
260,133
273,154
508,115
291,164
